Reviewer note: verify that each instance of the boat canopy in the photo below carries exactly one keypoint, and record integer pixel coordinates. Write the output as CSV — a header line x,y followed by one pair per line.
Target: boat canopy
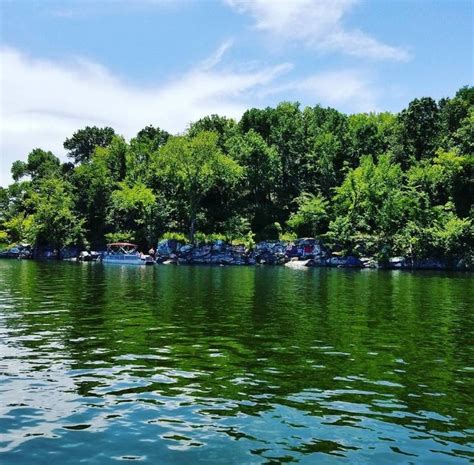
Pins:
x,y
122,247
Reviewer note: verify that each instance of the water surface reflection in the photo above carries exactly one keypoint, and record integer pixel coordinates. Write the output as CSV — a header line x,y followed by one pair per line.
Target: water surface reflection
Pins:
x,y
234,365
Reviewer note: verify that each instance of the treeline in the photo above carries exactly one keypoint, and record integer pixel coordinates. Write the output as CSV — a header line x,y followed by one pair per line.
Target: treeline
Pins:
x,y
369,184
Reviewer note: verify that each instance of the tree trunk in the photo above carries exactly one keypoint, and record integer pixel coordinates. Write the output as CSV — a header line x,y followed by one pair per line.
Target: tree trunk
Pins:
x,y
192,230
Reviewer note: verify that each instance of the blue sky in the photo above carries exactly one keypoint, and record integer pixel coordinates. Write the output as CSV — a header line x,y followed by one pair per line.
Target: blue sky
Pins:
x,y
129,63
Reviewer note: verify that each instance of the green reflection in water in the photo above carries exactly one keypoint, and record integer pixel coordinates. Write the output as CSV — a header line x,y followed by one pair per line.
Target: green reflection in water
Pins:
x,y
235,365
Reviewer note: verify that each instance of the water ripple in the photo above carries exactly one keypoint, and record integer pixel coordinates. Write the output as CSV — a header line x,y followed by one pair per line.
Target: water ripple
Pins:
x,y
210,366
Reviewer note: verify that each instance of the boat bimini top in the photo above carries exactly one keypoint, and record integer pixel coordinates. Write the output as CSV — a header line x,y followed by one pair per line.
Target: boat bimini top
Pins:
x,y
122,248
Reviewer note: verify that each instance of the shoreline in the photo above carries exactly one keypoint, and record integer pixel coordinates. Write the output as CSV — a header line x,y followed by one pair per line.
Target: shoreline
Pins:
x,y
291,264
296,254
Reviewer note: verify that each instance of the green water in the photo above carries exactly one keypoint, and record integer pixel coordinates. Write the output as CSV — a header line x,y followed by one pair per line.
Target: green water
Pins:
x,y
258,365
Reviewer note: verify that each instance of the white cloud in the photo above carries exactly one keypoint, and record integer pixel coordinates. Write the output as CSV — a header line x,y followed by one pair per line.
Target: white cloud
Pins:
x,y
338,88
43,102
347,90
216,57
317,23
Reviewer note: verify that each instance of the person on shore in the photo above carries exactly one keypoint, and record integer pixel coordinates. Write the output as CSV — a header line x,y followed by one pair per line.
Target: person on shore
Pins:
x,y
152,253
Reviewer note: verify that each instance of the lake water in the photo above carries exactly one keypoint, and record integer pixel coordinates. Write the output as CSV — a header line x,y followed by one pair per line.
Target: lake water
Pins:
x,y
193,365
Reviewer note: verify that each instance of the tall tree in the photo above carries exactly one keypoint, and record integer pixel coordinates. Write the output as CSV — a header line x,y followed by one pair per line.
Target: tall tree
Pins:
x,y
54,220
82,144
326,149
152,137
40,164
287,136
419,129
194,164
370,205
222,126
140,154
134,208
311,217
94,183
262,171
260,121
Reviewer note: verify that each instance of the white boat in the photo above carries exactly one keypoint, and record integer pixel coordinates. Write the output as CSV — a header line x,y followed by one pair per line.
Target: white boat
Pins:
x,y
124,253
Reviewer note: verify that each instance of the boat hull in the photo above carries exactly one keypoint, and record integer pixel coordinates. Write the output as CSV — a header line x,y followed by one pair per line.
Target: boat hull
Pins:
x,y
126,260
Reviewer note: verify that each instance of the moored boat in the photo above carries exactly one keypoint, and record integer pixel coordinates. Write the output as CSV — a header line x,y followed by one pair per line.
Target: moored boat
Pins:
x,y
125,253
89,256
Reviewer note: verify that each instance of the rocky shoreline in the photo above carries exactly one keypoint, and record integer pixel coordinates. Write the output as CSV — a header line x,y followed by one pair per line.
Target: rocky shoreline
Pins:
x,y
301,253
297,254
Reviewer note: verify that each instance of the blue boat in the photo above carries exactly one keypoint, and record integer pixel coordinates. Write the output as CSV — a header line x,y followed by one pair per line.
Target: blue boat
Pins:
x,y
124,253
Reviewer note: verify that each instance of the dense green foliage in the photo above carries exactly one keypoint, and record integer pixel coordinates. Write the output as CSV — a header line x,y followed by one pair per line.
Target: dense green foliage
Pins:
x,y
371,184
